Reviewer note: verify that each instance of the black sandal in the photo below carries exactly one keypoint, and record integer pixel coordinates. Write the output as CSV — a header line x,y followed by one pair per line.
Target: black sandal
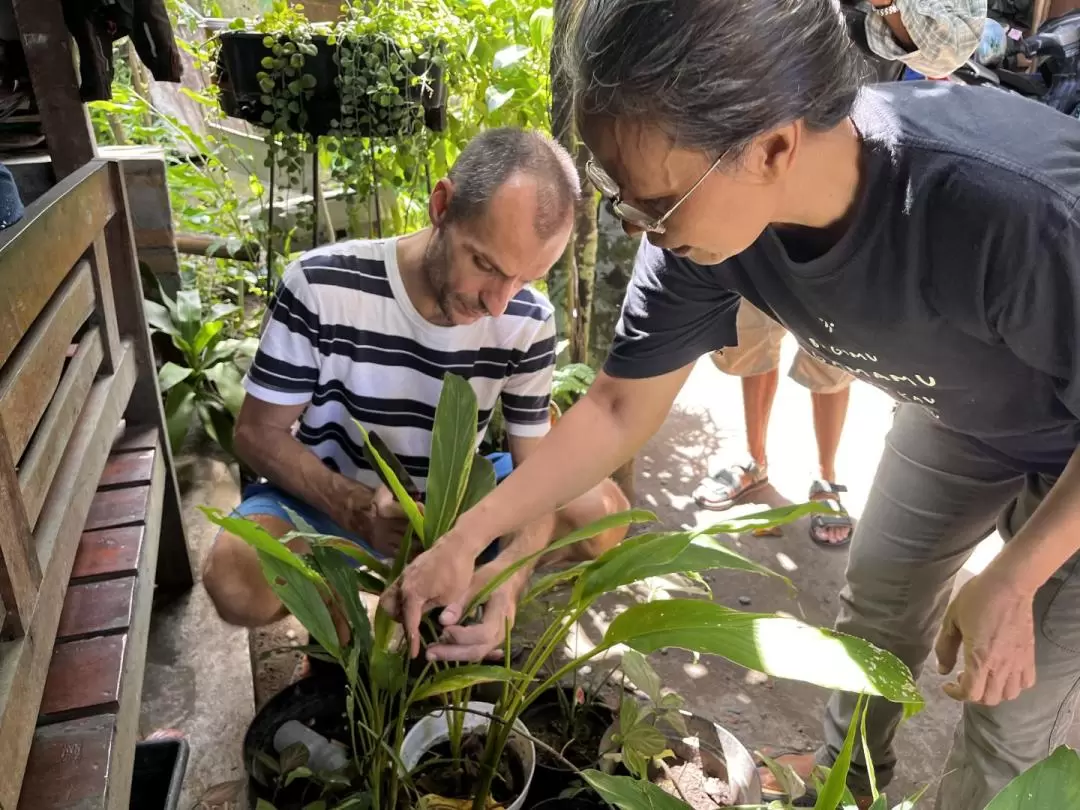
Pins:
x,y
829,494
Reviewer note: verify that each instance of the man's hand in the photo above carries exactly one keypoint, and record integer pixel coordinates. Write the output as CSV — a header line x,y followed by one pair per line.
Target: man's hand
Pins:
x,y
475,642
377,519
991,620
440,576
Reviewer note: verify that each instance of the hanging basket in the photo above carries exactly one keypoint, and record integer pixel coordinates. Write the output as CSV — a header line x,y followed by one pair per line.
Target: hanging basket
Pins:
x,y
240,60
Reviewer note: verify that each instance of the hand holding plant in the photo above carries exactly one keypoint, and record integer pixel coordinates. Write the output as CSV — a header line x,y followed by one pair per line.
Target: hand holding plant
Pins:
x,y
483,639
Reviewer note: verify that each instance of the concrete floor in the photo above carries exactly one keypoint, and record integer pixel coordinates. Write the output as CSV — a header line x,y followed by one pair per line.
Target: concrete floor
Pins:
x,y
199,676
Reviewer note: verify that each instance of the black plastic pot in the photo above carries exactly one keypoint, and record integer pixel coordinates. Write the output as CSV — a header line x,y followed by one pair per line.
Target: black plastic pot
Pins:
x,y
240,62
159,774
552,778
582,801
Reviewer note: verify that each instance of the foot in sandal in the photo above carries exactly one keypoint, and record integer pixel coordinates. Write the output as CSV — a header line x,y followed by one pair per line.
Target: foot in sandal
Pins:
x,y
832,529
726,485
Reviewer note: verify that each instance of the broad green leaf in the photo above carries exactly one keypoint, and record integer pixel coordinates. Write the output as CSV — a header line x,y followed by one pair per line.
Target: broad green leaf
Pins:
x,y
207,332
303,772
554,579
229,383
495,98
387,670
301,525
880,803
263,804
453,679
188,313
221,311
1052,783
348,548
453,445
481,483
541,24
303,598
620,565
777,645
789,782
644,739
706,553
218,423
170,374
340,577
596,527
179,413
510,55
833,791
408,505
260,539
769,519
159,318
643,676
628,793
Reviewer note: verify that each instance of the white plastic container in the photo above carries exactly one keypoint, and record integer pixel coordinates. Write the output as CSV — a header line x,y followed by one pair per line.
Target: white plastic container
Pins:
x,y
433,729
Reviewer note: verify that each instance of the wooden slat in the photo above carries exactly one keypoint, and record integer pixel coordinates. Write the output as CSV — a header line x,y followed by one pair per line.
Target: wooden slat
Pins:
x,y
96,608
69,765
38,252
106,307
118,507
108,553
29,378
84,678
20,574
128,469
42,458
136,437
174,574
24,663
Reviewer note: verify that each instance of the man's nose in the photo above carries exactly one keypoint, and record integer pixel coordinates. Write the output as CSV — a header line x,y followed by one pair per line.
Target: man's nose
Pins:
x,y
498,299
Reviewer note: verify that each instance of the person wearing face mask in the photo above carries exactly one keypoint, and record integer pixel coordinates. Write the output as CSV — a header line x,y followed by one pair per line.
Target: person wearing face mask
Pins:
x,y
922,236
365,330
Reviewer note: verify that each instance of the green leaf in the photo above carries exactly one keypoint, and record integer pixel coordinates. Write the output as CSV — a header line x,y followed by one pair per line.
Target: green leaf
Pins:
x,y
496,98
348,548
453,679
263,804
481,483
229,383
207,332
218,423
644,677
260,539
408,505
833,791
303,772
628,793
621,565
554,579
188,313
303,599
880,803
179,412
159,318
293,757
870,772
789,782
340,577
170,374
777,645
510,55
644,739
387,669
769,519
591,530
1052,783
453,445
221,311
912,800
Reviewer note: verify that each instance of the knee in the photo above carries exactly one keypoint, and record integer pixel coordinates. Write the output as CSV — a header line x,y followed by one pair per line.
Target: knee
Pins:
x,y
234,581
605,499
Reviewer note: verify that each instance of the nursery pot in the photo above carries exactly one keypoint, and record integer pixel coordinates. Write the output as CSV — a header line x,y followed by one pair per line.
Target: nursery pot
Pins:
x,y
160,766
432,729
552,776
240,61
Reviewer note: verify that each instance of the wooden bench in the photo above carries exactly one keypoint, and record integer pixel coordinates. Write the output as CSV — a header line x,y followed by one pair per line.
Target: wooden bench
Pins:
x,y
90,528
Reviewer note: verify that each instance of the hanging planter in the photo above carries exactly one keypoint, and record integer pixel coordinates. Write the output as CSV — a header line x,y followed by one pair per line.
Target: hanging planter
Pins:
x,y
363,85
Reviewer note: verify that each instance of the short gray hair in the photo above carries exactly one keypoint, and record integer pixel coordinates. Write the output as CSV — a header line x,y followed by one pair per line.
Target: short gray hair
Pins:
x,y
713,74
494,156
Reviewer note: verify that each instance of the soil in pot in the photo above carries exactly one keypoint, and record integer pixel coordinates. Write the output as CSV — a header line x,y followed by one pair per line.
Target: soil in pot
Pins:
x,y
439,774
696,776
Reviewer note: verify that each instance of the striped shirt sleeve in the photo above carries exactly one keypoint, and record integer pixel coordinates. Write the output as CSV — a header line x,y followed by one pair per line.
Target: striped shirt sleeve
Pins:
x,y
527,392
286,366
945,32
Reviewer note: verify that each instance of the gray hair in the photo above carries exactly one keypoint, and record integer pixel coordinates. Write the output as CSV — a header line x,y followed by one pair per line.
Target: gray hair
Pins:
x,y
494,156
713,74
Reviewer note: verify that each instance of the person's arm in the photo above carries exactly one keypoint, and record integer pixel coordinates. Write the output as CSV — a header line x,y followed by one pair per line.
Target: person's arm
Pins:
x,y
932,37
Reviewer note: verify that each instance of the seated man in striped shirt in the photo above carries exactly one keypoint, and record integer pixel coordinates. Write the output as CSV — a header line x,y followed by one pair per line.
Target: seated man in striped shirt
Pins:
x,y
366,329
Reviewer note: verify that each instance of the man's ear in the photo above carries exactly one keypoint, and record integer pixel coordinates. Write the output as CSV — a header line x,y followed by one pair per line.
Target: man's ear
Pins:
x,y
439,201
772,153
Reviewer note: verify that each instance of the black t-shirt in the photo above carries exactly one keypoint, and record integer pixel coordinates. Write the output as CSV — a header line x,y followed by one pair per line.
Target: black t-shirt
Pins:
x,y
956,285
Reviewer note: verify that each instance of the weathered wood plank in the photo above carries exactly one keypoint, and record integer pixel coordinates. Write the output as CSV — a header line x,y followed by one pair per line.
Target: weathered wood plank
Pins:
x,y
136,437
118,507
20,574
128,469
42,457
56,231
174,572
49,59
69,765
106,307
108,553
24,663
84,678
29,378
96,608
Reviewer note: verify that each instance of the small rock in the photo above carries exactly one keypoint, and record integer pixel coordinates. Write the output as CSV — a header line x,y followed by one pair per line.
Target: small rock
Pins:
x,y
290,634
744,600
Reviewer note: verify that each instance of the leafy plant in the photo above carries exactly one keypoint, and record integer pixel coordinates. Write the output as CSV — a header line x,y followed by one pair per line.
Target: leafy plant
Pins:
x,y
570,383
205,386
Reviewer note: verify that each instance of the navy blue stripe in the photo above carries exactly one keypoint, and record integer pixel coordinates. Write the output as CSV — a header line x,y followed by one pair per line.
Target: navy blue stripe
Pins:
x,y
278,375
351,272
380,411
414,465
528,304
294,315
525,417
525,403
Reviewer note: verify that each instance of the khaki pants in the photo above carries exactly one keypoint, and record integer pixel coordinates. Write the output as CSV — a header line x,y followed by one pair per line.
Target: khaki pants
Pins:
x,y
934,497
758,353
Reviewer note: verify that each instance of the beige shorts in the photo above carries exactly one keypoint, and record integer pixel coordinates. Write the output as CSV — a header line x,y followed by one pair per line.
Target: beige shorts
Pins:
x,y
758,352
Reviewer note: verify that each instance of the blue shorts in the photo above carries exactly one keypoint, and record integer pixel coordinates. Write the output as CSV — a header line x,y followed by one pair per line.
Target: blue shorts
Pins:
x,y
267,499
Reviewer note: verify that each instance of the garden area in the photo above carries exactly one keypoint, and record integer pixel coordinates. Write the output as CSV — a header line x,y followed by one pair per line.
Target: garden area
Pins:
x,y
643,679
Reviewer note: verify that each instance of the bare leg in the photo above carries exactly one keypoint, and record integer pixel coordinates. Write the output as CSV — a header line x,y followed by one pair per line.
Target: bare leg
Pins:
x,y
759,392
830,411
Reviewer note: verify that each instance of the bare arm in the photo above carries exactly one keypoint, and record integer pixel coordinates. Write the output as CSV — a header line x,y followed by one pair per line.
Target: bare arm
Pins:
x,y
265,441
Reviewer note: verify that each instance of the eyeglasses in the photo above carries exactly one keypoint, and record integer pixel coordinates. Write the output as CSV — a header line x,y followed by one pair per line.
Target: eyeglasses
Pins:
x,y
629,213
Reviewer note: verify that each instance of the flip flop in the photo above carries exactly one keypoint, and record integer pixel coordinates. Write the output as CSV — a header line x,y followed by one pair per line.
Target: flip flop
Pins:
x,y
725,487
829,494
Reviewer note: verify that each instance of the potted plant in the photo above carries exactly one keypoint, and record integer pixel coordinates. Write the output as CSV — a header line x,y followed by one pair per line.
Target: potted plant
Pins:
x,y
382,700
